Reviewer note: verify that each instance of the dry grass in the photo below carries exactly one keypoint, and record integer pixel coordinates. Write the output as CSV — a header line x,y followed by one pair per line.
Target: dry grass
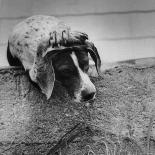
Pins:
x,y
121,118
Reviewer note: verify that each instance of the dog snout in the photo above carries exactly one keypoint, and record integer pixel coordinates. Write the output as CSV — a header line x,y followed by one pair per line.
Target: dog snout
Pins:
x,y
87,95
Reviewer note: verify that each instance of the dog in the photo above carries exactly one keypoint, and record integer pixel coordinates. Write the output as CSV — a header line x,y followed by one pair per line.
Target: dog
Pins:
x,y
48,49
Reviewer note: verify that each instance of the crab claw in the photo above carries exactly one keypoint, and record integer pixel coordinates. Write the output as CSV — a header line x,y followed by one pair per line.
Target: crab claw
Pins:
x,y
53,39
67,38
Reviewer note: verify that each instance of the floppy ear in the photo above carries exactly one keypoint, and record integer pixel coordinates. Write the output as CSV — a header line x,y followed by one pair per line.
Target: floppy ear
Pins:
x,y
95,56
42,71
89,46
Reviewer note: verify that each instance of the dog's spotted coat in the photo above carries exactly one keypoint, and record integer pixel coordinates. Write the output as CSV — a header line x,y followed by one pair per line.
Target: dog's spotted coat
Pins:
x,y
38,44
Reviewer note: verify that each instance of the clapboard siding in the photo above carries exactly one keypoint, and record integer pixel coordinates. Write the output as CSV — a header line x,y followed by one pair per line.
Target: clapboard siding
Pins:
x,y
120,28
15,8
6,28
98,27
18,8
111,51
101,27
3,59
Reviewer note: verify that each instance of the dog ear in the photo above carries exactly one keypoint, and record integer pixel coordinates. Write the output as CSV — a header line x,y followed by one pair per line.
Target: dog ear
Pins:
x,y
95,56
42,71
89,47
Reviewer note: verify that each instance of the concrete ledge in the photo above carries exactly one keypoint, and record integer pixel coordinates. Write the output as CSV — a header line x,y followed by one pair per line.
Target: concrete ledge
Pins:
x,y
29,124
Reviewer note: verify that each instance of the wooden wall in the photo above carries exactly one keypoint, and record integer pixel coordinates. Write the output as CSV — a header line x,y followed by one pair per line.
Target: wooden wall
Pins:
x,y
121,29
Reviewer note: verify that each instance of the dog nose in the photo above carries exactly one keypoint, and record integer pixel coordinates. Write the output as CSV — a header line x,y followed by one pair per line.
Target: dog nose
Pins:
x,y
87,95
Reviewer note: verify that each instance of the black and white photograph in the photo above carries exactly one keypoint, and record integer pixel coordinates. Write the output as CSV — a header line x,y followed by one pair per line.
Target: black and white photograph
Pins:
x,y
77,77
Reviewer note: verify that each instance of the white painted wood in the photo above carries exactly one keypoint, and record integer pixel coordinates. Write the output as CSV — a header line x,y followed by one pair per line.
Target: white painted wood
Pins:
x,y
15,8
18,8
121,28
113,27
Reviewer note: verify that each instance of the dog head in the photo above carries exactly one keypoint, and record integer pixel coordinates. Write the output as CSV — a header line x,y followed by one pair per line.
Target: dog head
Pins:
x,y
50,50
68,65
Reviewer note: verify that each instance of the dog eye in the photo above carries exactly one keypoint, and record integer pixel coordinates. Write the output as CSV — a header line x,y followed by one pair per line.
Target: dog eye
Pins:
x,y
86,68
66,72
84,65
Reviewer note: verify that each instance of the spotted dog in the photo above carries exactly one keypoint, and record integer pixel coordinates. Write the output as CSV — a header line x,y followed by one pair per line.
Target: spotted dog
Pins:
x,y
48,49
